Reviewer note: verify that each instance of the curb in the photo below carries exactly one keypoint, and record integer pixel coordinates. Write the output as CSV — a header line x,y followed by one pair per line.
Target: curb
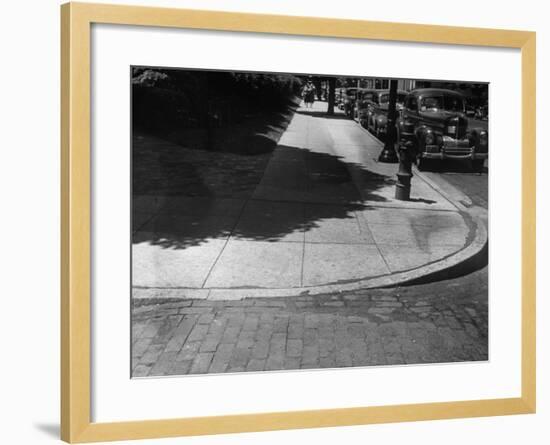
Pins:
x,y
453,265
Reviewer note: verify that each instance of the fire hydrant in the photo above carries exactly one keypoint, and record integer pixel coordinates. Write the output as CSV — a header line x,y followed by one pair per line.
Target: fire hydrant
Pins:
x,y
404,174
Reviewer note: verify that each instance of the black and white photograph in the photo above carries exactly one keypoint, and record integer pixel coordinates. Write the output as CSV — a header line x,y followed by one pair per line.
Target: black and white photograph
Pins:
x,y
289,221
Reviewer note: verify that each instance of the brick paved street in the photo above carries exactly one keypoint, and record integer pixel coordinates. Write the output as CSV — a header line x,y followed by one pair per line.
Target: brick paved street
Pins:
x,y
437,322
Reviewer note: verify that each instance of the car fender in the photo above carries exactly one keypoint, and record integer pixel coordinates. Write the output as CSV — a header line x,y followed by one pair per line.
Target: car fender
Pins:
x,y
406,126
474,135
381,119
421,131
420,135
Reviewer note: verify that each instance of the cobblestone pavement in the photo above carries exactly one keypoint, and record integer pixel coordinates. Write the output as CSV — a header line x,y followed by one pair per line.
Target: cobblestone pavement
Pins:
x,y
438,322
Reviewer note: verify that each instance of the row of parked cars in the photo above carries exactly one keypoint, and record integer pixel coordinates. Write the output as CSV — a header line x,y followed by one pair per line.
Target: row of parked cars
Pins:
x,y
433,121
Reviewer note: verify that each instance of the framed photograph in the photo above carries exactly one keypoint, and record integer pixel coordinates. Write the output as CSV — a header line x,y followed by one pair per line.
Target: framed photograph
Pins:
x,y
275,222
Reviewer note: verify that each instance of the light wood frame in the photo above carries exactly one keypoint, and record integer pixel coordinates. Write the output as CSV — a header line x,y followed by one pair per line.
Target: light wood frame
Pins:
x,y
76,20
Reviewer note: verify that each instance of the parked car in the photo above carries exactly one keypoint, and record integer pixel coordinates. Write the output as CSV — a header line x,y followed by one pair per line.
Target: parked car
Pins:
x,y
375,118
362,101
339,98
349,96
434,121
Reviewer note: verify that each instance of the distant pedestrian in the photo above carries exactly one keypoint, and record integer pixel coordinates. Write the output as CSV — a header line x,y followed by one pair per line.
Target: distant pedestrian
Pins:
x,y
308,94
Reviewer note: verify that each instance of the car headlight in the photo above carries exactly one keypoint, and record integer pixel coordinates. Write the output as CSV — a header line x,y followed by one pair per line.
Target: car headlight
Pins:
x,y
429,138
483,138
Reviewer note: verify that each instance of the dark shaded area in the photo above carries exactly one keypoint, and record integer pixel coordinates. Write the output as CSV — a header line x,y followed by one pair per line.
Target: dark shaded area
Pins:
x,y
169,163
198,208
168,100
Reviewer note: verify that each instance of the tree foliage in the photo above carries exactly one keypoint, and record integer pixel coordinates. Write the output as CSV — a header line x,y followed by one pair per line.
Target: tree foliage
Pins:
x,y
163,98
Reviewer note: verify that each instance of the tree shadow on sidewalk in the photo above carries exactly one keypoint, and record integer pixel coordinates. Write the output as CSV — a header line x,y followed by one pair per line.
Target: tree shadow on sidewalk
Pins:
x,y
211,197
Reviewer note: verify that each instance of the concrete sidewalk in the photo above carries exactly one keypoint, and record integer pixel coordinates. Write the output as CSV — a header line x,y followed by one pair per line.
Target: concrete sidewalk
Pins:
x,y
322,219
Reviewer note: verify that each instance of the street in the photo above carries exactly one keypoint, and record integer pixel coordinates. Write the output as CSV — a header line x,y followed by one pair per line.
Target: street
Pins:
x,y
474,185
432,323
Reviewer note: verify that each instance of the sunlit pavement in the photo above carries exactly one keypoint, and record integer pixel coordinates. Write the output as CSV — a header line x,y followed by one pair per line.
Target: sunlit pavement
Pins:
x,y
322,214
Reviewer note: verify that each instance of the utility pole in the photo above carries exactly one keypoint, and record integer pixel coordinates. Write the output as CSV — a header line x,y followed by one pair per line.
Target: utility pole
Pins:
x,y
388,154
331,95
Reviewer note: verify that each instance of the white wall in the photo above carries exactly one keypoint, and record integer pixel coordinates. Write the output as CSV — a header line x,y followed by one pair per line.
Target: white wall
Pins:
x,y
29,222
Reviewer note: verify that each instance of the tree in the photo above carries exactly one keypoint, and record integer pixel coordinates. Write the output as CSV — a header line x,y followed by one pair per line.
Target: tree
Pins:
x,y
388,154
331,95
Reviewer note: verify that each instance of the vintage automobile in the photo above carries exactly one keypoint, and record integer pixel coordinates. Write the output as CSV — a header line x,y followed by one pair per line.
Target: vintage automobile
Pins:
x,y
375,118
349,97
339,98
362,101
433,123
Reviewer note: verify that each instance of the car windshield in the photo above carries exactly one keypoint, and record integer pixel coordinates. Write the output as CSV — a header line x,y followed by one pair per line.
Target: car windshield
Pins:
x,y
385,98
449,103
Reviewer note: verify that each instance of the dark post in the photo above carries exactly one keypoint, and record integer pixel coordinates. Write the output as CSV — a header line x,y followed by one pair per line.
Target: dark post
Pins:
x,y
404,175
388,154
331,95
318,87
